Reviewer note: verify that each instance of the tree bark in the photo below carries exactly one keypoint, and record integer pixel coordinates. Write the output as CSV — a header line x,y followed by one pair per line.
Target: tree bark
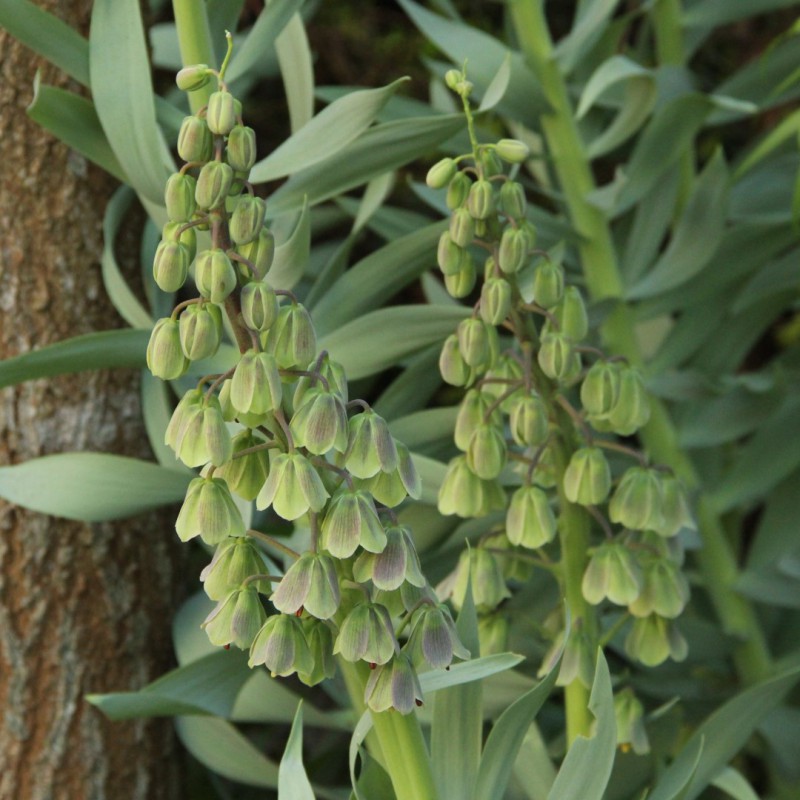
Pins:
x,y
83,608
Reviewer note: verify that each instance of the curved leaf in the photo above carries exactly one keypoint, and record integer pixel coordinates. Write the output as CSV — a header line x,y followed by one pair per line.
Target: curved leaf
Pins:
x,y
120,294
74,121
640,97
297,70
379,149
381,338
123,95
591,23
106,350
293,783
94,487
327,133
291,255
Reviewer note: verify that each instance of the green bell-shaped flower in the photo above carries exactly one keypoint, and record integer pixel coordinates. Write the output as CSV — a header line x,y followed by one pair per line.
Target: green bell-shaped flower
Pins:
x,y
613,572
474,342
652,640
394,685
632,408
462,282
236,619
214,275
247,219
391,488
319,423
453,367
629,716
209,512
461,491
195,142
200,327
449,256
587,479
471,414
260,252
493,633
462,228
396,563
665,590
311,584
293,487
235,560
600,389
638,501
480,568
352,521
674,508
179,197
171,265
213,184
245,475
528,420
256,386
495,301
371,448
558,358
184,412
530,521
366,635
205,436
434,638
292,338
548,284
571,316
282,647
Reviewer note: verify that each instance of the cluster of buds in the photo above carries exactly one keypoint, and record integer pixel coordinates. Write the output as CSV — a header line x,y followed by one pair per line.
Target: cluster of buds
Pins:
x,y
533,422
279,429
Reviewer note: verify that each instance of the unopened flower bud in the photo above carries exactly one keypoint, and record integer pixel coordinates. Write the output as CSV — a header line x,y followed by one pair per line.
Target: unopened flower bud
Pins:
x,y
493,633
491,165
652,640
195,142
235,560
480,200
282,647
440,174
449,255
260,252
612,572
513,251
528,420
462,227
504,372
461,283
179,232
452,78
571,315
310,583
461,491
495,301
165,358
245,475
512,150
458,191
171,265
259,305
188,406
557,358
292,338
530,521
587,479
209,512
665,590
513,202
434,638
366,635
319,635
481,569
548,284
396,563
213,184
371,448
247,219
394,685
214,275
471,414
629,715
240,149
236,619
293,487
600,389
474,341
200,328
192,78
638,501
332,371
453,367
486,452
179,197
632,409
221,113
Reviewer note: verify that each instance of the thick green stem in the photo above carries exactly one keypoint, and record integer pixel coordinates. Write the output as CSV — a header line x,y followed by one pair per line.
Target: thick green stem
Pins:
x,y
194,39
396,741
603,280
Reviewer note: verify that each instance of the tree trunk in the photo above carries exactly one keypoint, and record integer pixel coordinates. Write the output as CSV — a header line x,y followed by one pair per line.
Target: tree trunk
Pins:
x,y
83,608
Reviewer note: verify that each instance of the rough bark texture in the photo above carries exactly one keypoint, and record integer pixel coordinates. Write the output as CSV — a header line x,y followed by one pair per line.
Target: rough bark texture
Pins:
x,y
83,608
